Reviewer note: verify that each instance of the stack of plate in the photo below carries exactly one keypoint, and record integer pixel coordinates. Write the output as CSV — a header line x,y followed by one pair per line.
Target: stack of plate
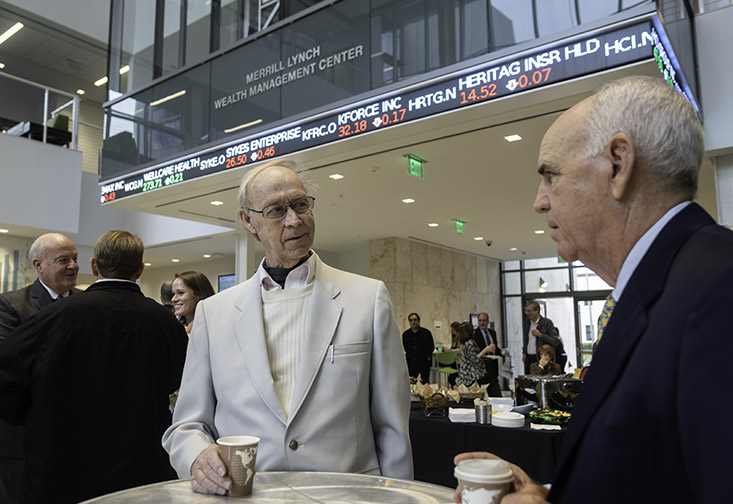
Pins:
x,y
507,419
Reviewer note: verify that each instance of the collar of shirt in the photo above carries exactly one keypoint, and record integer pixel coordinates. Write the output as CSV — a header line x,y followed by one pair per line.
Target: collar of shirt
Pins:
x,y
100,280
299,277
640,249
51,292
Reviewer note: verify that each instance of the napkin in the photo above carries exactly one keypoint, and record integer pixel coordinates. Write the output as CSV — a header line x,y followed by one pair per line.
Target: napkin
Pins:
x,y
544,426
461,415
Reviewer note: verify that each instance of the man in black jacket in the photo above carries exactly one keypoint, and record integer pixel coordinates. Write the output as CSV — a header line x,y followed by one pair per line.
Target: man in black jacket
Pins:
x,y
619,172
89,377
485,338
54,257
538,331
418,344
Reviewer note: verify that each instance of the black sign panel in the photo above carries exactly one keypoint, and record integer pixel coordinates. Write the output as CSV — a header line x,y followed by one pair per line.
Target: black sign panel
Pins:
x,y
557,62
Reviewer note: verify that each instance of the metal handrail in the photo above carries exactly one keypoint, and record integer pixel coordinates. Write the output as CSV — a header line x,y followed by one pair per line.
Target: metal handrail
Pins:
x,y
74,102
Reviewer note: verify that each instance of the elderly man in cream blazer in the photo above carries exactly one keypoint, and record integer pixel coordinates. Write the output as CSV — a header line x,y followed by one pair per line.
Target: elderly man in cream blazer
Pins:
x,y
302,355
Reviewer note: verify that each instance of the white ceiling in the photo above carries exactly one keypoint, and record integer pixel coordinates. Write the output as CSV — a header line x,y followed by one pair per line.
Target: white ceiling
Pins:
x,y
472,173
46,52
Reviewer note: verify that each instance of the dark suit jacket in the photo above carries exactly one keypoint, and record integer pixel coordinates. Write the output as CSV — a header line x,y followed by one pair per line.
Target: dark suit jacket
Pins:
x,y
548,330
89,376
15,308
22,304
650,424
492,365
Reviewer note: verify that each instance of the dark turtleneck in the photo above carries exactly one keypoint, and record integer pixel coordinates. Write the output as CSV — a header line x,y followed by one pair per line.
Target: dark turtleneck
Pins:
x,y
279,274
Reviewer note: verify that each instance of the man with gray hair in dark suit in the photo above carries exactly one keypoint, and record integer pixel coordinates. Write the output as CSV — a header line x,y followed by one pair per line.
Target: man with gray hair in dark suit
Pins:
x,y
54,257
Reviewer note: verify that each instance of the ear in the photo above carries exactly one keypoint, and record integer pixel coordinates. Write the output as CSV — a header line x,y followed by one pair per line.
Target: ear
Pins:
x,y
139,272
247,221
621,153
95,270
37,264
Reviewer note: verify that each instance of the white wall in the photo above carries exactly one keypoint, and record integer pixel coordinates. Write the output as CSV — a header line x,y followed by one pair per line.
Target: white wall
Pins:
x,y
714,40
40,185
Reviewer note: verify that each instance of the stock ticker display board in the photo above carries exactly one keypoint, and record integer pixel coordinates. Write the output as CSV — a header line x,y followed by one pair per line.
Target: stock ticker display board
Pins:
x,y
560,61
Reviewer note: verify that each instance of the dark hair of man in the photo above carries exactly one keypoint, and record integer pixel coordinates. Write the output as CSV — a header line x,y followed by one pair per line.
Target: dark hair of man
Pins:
x,y
119,255
533,304
416,316
166,290
198,283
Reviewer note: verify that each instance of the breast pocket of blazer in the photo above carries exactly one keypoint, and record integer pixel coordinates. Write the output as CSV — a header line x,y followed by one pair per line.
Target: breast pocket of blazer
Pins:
x,y
347,349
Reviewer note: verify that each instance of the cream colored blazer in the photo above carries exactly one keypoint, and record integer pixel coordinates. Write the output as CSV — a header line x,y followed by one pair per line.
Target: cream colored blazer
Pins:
x,y
350,406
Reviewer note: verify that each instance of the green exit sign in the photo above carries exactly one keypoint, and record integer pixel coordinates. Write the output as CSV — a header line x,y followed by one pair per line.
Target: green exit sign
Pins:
x,y
415,166
459,225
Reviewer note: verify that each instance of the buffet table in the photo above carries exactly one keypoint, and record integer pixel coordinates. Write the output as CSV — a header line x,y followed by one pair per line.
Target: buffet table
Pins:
x,y
293,487
436,440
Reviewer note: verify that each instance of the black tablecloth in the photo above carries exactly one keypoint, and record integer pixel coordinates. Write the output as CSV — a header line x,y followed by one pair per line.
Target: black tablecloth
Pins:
x,y
436,440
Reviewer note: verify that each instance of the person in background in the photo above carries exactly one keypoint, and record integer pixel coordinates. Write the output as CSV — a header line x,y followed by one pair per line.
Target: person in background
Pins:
x,y
89,377
619,172
418,344
470,366
166,294
538,331
454,335
561,353
54,257
302,355
546,365
488,343
189,288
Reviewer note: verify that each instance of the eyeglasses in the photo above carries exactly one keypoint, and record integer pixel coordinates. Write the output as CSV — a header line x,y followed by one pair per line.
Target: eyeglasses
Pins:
x,y
278,211
412,320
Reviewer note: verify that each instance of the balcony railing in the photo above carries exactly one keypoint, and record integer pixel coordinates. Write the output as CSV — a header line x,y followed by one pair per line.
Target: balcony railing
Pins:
x,y
24,116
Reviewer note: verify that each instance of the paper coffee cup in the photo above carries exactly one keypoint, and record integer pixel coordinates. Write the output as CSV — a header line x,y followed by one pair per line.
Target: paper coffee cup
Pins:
x,y
483,481
239,454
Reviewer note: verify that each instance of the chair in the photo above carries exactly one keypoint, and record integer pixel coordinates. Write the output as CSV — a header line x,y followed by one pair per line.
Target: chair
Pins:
x,y
444,361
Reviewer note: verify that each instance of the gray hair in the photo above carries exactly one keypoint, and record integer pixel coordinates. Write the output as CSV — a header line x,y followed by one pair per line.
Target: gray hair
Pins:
x,y
243,197
44,244
663,124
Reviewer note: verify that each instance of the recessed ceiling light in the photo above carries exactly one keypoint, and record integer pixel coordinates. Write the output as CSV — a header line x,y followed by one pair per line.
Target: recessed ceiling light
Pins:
x,y
539,231
478,238
101,82
147,264
4,230
512,138
513,249
10,32
80,92
408,200
124,69
336,176
2,65
433,224
217,203
207,255
175,260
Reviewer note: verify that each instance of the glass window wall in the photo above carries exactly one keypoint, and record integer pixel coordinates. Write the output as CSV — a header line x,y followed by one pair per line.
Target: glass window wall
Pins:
x,y
573,307
333,53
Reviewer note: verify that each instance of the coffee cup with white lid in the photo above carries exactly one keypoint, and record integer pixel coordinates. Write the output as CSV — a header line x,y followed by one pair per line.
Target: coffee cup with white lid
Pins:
x,y
483,481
